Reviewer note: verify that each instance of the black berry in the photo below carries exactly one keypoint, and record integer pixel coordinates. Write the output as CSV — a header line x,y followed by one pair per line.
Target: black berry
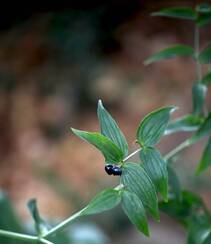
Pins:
x,y
109,169
117,171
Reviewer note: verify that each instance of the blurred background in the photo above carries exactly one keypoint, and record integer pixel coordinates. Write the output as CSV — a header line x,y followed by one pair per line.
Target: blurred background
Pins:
x,y
55,63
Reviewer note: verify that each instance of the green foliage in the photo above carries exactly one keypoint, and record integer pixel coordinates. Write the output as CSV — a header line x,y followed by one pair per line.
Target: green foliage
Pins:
x,y
188,122
153,126
207,79
206,158
135,211
203,8
111,152
199,92
177,12
110,129
204,19
205,55
104,201
156,168
170,52
136,180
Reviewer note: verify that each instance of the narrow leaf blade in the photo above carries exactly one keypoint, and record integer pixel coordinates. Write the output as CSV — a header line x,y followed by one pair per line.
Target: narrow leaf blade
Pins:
x,y
136,180
103,201
170,52
110,129
204,20
135,211
207,79
206,158
199,92
203,8
204,130
177,12
186,123
205,55
110,151
174,183
156,168
153,126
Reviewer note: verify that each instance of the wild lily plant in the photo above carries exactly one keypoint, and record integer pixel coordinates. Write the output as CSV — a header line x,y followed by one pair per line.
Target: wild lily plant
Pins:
x,y
151,184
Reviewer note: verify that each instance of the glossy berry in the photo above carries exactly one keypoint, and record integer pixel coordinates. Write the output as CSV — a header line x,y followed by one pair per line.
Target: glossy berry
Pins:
x,y
117,171
109,169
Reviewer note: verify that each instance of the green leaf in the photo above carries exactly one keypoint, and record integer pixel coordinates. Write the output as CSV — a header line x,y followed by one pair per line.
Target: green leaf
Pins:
x,y
199,231
174,182
136,180
135,211
110,151
156,168
199,92
186,123
204,130
103,201
206,158
170,52
153,126
203,8
40,225
110,129
204,19
205,55
207,79
177,12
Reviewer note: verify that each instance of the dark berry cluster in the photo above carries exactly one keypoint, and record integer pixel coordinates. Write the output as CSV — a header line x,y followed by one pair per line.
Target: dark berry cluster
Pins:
x,y
113,170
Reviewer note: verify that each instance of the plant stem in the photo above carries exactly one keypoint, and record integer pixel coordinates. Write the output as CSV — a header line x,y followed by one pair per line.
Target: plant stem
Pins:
x,y
177,149
63,224
196,47
132,154
18,236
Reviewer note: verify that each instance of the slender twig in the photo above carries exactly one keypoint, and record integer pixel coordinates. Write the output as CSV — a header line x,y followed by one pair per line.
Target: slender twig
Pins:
x,y
197,51
45,241
177,149
132,154
18,236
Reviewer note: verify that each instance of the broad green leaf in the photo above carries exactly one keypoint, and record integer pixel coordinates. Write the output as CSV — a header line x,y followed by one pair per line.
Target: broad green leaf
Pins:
x,y
203,8
156,168
110,151
199,92
40,225
204,130
177,12
186,123
205,55
153,126
103,201
110,129
207,79
174,183
206,158
136,180
204,19
170,52
199,231
135,211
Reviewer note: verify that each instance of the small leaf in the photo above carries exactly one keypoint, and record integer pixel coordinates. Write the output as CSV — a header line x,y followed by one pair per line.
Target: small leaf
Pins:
x,y
205,55
110,151
170,52
207,79
186,123
204,130
40,225
156,168
199,231
206,158
174,182
103,201
153,126
136,180
134,209
204,19
199,92
203,8
110,129
177,12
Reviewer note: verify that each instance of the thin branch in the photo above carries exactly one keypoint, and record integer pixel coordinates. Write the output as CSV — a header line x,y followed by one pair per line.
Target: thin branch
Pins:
x,y
18,236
